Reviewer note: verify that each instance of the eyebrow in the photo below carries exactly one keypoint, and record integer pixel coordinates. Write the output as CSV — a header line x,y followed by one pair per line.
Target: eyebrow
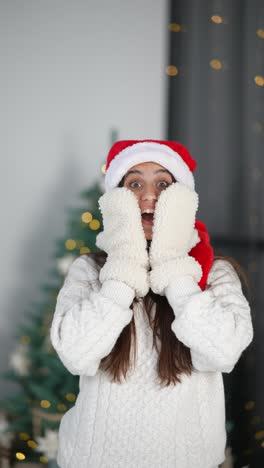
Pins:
x,y
135,171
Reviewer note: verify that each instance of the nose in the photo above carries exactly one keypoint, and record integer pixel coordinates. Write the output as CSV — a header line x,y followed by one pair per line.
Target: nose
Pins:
x,y
149,194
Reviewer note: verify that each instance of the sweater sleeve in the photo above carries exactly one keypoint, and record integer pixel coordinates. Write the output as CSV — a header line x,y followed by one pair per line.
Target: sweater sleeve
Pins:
x,y
87,322
216,323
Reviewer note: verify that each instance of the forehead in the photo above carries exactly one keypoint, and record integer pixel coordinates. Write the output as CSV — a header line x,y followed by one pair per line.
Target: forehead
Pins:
x,y
149,167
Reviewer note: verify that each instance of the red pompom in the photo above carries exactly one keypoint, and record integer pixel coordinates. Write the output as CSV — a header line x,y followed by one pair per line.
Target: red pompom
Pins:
x,y
203,252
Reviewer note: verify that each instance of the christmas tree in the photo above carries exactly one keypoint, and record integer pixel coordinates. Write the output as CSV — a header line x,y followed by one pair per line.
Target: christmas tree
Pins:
x,y
30,419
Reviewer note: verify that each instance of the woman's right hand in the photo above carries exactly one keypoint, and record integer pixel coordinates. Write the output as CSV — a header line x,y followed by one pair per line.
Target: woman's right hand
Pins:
x,y
123,240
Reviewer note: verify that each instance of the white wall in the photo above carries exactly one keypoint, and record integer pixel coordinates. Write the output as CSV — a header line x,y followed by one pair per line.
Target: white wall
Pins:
x,y
70,71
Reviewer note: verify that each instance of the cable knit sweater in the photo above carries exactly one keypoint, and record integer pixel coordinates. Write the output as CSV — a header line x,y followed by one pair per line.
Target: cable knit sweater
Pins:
x,y
138,423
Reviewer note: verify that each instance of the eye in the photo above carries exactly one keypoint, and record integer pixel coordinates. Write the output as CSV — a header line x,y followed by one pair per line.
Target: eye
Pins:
x,y
163,184
134,184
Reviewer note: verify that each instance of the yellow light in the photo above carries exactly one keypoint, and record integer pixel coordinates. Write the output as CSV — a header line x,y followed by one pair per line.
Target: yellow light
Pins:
x,y
259,80
43,459
70,397
32,443
217,19
87,217
103,168
45,404
20,456
94,224
174,27
171,70
260,33
259,435
262,443
70,244
249,405
24,436
216,64
61,407
84,250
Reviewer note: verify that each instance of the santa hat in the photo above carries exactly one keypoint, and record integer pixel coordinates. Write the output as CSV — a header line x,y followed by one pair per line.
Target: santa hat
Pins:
x,y
169,154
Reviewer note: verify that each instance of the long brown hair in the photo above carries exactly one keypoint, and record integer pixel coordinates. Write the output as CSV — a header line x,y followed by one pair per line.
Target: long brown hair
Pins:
x,y
174,358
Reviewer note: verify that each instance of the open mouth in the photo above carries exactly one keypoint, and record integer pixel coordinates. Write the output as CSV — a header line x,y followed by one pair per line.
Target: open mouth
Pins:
x,y
147,218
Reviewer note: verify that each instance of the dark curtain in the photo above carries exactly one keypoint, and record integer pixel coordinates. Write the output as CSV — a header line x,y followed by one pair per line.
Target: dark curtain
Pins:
x,y
216,108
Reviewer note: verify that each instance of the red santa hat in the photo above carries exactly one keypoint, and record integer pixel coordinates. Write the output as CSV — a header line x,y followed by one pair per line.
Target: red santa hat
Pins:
x,y
169,154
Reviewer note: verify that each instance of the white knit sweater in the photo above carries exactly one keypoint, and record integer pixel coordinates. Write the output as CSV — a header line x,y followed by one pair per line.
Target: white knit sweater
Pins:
x,y
139,424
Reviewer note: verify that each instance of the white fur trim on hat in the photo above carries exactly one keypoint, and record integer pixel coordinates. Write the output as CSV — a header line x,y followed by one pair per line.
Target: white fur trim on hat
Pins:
x,y
147,152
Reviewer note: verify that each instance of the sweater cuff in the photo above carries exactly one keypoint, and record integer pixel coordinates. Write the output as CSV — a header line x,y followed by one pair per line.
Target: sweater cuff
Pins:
x,y
119,292
180,288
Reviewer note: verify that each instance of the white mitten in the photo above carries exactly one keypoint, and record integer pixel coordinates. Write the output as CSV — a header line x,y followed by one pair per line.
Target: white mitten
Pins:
x,y
174,235
123,240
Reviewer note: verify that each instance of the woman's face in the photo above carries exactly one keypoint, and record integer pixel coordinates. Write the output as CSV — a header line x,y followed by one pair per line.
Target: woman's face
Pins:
x,y
147,181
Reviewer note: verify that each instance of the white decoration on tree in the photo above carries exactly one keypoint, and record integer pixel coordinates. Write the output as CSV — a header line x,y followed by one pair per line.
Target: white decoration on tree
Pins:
x,y
48,444
64,263
19,361
5,436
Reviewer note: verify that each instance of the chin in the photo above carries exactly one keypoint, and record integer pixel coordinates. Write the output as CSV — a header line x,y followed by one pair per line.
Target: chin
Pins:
x,y
148,235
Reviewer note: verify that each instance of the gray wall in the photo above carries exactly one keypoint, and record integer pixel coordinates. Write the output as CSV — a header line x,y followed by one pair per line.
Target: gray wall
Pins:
x,y
70,71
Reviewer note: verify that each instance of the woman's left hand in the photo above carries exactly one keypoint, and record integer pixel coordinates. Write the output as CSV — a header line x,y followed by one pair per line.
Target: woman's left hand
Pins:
x,y
174,235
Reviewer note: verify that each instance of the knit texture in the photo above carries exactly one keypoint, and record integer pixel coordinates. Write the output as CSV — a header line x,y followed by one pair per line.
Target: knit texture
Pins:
x,y
123,240
138,423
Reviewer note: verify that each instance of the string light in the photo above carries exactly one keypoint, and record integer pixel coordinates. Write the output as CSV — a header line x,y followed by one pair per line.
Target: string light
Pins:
x,y
20,456
259,435
61,407
32,443
260,33
70,397
87,217
94,225
24,436
171,70
84,250
259,80
174,27
70,244
43,459
216,64
45,404
217,19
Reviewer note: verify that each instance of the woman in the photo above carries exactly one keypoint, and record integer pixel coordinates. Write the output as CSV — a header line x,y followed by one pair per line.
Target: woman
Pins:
x,y
149,324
